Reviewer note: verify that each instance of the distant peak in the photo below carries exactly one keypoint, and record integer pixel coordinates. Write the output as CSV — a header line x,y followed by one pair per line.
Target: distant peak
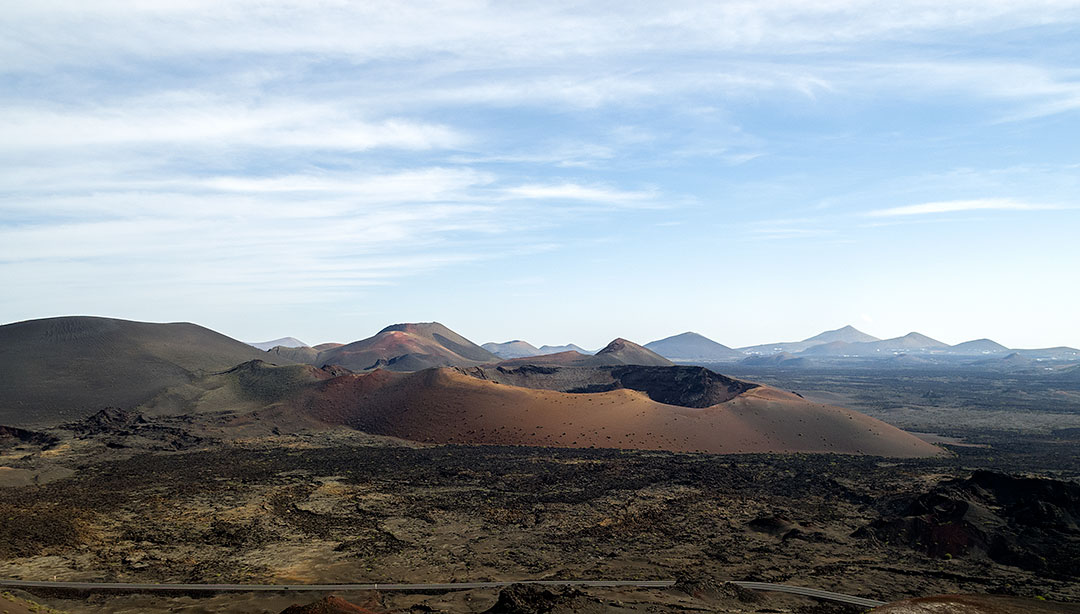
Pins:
x,y
845,333
688,333
619,344
412,327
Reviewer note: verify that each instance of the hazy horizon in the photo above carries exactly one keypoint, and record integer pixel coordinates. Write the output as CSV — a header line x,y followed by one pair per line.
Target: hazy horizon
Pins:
x,y
754,172
591,347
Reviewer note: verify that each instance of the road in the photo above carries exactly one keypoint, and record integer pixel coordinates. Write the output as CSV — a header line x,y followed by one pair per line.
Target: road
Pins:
x,y
810,592
239,588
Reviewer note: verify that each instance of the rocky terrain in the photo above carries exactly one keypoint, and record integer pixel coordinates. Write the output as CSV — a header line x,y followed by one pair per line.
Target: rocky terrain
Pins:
x,y
252,472
342,506
1023,522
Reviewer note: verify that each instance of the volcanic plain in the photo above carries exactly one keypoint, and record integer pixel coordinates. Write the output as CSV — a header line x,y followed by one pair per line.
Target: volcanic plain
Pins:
x,y
299,473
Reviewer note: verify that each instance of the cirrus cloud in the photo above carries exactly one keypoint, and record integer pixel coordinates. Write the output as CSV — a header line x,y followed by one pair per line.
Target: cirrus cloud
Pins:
x,y
954,206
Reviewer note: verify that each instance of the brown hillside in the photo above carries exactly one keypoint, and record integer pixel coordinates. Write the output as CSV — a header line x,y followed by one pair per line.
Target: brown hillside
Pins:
x,y
60,369
408,347
618,352
623,352
565,359
685,386
448,406
302,355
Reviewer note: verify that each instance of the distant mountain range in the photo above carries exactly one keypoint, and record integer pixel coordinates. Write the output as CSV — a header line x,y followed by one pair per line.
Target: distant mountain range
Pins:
x,y
847,334
425,382
846,342
285,342
70,367
418,346
692,347
618,352
524,349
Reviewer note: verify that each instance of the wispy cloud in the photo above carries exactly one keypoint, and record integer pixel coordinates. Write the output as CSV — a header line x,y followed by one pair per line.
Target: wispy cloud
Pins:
x,y
150,150
190,120
577,192
953,206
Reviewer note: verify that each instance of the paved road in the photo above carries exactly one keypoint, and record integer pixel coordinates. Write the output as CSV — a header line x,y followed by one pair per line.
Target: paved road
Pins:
x,y
810,592
237,588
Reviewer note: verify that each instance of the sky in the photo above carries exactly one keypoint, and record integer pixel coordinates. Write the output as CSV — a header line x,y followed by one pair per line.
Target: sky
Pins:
x,y
557,172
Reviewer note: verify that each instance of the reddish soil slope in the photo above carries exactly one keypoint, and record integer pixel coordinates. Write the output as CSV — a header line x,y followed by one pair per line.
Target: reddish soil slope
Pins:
x,y
408,347
448,406
564,359
623,352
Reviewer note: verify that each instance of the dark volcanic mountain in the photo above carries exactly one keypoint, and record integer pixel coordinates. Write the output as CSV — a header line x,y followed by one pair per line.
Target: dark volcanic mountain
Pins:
x,y
632,407
910,341
833,348
618,352
66,368
288,342
978,347
303,355
512,349
408,347
685,386
561,359
523,349
1056,353
569,347
847,334
623,352
692,347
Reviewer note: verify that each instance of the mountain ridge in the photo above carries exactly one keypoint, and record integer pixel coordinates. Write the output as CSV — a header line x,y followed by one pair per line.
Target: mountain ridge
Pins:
x,y
693,347
408,347
73,366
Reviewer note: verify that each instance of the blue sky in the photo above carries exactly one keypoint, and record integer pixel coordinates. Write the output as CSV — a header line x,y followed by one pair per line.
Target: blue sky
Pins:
x,y
557,172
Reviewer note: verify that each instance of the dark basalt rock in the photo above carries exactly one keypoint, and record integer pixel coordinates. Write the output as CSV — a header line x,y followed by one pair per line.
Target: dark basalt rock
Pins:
x,y
122,428
531,599
1031,523
108,420
685,386
710,590
14,436
695,387
327,605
